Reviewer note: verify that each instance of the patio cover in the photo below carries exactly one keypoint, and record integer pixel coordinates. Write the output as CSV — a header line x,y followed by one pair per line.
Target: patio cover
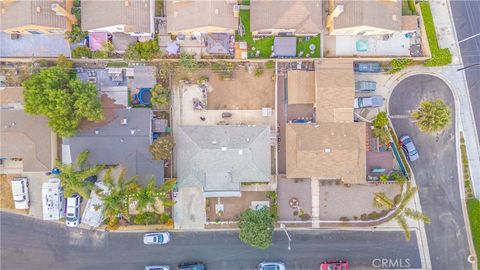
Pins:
x,y
285,46
96,40
218,43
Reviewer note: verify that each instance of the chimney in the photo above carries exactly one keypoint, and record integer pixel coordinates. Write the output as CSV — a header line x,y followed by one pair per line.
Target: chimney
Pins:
x,y
60,11
124,121
337,11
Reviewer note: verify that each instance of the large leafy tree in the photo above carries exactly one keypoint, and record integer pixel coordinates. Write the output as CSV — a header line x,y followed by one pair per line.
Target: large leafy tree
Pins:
x,y
432,116
402,212
256,228
63,99
73,176
115,201
161,148
380,130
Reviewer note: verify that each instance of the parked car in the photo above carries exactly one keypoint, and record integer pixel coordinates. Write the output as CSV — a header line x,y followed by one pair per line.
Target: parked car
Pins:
x,y
409,148
367,67
334,266
271,266
365,86
20,192
156,238
191,266
157,267
367,102
72,212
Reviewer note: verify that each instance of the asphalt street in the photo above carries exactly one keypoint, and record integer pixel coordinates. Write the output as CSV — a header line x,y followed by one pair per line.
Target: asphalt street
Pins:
x,y
28,243
435,172
466,15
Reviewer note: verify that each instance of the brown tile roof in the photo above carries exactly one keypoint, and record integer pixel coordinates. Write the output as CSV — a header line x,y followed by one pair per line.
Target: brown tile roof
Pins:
x,y
206,15
301,87
385,14
27,137
327,151
299,15
31,12
137,16
410,22
335,90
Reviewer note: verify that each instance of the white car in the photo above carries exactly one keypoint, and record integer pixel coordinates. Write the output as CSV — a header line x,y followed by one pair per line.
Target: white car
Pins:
x,y
157,267
72,213
20,192
271,266
156,238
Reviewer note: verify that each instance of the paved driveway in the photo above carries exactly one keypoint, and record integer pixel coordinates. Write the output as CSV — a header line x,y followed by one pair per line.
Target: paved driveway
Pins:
x,y
34,46
32,244
435,172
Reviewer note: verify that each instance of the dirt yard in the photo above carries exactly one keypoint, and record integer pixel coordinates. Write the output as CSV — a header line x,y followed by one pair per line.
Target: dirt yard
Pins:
x,y
245,92
6,198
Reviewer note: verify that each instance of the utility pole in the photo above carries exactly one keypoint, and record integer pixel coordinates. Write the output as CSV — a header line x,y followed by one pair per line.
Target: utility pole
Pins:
x,y
282,226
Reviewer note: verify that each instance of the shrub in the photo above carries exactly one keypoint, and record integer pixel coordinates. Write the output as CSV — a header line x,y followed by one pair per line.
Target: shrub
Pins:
x,y
146,218
64,62
76,35
344,219
164,218
143,50
160,96
256,228
188,62
258,72
397,198
270,64
363,217
380,120
440,57
398,64
373,215
81,51
203,79
161,148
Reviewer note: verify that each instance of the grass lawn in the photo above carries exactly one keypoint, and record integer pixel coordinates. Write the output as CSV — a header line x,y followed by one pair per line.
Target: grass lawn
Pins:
x,y
440,57
263,45
473,206
303,46
408,8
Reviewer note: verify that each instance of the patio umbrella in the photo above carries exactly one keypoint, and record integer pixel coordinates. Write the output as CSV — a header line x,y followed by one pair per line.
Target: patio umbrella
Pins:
x,y
172,48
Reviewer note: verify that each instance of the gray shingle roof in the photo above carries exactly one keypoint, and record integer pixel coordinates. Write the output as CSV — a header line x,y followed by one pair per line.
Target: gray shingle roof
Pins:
x,y
220,158
115,144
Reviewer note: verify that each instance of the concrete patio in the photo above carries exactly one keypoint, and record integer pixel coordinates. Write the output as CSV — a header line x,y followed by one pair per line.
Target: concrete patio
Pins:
x,y
34,46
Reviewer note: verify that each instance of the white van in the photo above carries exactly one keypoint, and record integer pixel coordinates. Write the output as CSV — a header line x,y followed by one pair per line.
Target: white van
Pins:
x,y
72,213
20,192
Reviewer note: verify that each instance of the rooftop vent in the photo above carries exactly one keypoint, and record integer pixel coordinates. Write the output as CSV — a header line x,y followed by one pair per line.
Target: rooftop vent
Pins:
x,y
127,3
240,152
97,131
216,11
39,9
247,139
328,150
124,121
214,142
224,149
122,139
394,17
132,131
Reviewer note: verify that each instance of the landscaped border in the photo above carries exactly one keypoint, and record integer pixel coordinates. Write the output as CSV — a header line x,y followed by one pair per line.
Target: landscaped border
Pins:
x,y
440,57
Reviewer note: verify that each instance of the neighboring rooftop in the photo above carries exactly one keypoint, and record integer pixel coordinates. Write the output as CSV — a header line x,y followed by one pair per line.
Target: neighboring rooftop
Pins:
x,y
205,16
28,137
220,158
124,140
335,90
381,14
301,87
327,151
33,13
303,17
11,97
126,16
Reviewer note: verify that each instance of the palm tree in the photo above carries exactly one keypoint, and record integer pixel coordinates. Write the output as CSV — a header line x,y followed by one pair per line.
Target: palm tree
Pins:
x,y
115,201
380,200
432,116
73,176
147,196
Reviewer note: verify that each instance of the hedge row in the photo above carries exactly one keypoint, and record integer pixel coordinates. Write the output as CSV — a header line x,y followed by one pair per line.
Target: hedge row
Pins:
x,y
440,57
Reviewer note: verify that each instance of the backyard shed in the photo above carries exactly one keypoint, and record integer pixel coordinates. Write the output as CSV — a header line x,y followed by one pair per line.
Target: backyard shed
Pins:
x,y
285,46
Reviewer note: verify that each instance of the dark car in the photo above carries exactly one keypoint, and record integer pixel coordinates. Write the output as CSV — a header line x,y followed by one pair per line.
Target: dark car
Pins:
x,y
367,67
409,148
365,86
191,266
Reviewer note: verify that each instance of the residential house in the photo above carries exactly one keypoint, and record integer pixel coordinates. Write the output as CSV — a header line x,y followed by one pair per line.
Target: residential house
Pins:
x,y
36,16
292,17
333,146
122,140
132,17
27,143
376,17
218,159
189,17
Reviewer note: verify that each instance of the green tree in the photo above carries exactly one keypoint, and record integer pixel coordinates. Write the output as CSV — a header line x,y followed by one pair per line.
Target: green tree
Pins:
x,y
256,228
432,116
143,50
401,214
188,63
73,176
76,34
380,130
380,120
147,196
105,51
161,148
64,62
64,100
160,96
115,201
398,64
81,51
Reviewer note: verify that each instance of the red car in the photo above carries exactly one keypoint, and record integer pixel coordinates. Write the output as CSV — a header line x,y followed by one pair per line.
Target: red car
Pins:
x,y
334,266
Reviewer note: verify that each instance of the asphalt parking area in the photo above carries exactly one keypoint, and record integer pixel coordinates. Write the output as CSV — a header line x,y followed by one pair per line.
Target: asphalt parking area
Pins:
x,y
435,172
